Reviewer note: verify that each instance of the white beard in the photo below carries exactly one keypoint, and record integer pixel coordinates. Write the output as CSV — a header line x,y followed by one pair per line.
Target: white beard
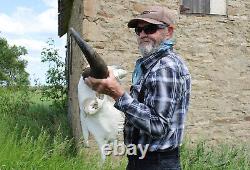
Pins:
x,y
147,49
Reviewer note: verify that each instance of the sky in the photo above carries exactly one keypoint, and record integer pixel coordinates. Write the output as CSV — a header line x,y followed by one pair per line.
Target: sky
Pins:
x,y
31,24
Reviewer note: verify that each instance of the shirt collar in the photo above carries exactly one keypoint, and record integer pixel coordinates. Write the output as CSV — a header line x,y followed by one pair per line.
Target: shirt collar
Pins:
x,y
147,62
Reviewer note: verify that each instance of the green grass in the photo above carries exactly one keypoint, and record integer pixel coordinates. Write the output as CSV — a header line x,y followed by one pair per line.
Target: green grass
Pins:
x,y
34,135
221,157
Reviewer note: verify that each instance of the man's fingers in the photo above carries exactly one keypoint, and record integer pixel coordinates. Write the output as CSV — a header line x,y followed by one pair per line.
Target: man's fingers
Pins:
x,y
99,89
92,80
93,83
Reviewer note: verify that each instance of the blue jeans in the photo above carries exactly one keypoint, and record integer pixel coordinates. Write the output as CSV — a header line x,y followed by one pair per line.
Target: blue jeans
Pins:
x,y
169,160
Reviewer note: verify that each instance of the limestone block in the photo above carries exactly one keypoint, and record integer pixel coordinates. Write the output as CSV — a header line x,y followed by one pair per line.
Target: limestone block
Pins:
x,y
92,31
138,7
105,14
232,10
90,8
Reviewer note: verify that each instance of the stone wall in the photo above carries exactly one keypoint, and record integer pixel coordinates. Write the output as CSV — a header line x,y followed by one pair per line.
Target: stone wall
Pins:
x,y
216,49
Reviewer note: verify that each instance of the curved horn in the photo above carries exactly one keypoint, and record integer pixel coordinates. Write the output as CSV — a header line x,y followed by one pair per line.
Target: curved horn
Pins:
x,y
98,66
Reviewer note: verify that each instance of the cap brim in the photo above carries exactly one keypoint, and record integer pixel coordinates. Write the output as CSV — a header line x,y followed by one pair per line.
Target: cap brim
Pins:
x,y
134,22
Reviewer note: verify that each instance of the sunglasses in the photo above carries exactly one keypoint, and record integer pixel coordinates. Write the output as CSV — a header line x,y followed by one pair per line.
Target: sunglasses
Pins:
x,y
150,29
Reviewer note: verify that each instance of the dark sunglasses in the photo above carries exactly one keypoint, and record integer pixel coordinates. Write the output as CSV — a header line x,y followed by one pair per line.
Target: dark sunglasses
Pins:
x,y
150,29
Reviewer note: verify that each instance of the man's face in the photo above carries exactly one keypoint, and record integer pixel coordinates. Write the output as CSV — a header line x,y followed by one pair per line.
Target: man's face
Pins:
x,y
149,43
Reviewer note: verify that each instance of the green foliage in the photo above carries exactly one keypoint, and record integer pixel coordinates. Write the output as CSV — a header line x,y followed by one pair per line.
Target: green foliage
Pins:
x,y
55,76
37,137
12,67
223,156
34,136
13,106
22,109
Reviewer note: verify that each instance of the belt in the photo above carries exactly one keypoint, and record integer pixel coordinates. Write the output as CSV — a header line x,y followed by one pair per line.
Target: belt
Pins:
x,y
157,154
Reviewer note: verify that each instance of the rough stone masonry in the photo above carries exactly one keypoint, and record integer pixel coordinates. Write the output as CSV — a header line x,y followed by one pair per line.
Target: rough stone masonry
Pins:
x,y
216,48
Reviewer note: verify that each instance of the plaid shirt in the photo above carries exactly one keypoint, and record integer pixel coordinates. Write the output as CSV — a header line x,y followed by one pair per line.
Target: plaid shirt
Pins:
x,y
160,116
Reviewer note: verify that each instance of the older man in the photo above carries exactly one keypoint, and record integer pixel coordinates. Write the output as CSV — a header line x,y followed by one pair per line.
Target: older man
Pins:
x,y
158,102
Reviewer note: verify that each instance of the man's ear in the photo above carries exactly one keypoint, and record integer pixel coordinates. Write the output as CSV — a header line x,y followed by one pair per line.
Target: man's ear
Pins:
x,y
170,32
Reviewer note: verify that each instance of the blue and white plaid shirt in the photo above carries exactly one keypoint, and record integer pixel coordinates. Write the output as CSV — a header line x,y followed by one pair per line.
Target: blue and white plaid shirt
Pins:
x,y
166,85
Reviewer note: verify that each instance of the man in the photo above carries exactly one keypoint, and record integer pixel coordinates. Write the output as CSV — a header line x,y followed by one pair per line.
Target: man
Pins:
x,y
158,101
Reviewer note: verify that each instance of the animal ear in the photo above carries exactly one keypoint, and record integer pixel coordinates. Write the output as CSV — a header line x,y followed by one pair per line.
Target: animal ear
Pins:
x,y
116,67
119,74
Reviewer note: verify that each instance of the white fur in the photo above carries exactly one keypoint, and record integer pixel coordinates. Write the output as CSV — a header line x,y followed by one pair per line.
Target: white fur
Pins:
x,y
98,115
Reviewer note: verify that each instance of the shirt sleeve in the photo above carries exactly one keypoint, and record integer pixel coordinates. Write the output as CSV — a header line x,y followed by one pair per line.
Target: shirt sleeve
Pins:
x,y
153,118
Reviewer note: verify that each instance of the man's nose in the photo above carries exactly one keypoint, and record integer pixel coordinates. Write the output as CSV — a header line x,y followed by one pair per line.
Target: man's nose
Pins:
x,y
142,34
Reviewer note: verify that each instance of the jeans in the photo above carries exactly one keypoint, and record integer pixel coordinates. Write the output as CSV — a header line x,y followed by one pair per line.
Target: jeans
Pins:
x,y
169,160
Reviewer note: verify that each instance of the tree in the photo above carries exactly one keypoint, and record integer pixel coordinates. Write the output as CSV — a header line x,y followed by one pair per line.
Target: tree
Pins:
x,y
12,67
55,76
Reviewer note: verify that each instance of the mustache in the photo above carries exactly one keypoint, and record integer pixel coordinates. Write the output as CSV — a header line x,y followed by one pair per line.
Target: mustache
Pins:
x,y
145,38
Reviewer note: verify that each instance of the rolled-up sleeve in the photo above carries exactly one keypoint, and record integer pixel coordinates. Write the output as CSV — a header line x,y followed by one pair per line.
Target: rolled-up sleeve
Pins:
x,y
153,116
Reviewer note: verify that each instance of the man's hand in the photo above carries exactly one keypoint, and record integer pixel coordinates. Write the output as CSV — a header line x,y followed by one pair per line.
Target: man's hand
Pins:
x,y
109,86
